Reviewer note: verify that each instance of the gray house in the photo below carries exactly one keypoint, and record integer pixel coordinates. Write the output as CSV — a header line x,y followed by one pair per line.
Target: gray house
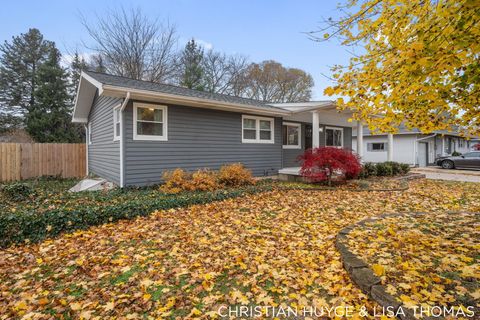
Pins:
x,y
136,130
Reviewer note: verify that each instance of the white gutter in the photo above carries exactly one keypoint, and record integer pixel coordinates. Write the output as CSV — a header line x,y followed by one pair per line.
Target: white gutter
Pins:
x,y
428,137
197,101
86,148
124,105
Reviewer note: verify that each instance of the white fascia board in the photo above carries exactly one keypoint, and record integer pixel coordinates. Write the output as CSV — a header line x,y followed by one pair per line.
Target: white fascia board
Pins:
x,y
84,97
79,120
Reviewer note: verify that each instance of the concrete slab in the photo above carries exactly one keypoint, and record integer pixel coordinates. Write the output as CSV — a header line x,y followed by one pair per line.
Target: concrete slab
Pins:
x,y
92,185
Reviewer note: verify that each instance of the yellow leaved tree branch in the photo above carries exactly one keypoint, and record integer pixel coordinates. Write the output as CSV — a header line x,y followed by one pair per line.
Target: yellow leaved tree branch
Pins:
x,y
420,64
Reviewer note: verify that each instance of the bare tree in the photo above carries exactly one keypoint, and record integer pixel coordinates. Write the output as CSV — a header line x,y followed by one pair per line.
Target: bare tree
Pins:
x,y
270,81
222,73
237,70
129,44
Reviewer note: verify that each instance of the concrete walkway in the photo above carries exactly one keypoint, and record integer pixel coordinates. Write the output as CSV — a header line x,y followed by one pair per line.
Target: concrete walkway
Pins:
x,y
438,173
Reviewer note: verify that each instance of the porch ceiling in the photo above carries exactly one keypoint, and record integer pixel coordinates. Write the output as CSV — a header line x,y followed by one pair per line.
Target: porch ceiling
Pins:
x,y
326,116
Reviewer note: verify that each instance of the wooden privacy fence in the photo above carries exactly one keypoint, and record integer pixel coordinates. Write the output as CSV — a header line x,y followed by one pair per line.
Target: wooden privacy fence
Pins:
x,y
20,161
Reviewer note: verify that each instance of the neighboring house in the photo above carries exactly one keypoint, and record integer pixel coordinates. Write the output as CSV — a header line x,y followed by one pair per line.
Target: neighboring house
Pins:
x,y
411,146
136,130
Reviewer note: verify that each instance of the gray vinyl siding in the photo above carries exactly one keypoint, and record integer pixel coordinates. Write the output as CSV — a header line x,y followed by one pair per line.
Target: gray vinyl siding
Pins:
x,y
104,153
197,138
290,155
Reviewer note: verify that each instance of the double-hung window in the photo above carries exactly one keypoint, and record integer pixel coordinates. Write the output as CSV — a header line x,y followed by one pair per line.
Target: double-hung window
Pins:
x,y
149,122
333,137
116,123
292,135
257,129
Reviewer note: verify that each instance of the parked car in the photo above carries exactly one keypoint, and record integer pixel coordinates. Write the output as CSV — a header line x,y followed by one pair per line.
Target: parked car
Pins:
x,y
469,160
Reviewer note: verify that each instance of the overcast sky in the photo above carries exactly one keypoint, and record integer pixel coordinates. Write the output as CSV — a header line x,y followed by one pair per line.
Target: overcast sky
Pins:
x,y
258,29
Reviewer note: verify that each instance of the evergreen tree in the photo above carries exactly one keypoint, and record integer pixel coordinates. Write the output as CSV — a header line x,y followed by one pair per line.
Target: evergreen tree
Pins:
x,y
192,72
77,65
20,60
49,119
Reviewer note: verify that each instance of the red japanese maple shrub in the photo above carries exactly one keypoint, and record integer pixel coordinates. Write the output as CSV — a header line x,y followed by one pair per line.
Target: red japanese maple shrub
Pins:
x,y
324,163
476,147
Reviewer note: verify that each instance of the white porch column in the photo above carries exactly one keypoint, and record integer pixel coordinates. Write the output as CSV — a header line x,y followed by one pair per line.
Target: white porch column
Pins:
x,y
359,139
390,147
443,146
315,130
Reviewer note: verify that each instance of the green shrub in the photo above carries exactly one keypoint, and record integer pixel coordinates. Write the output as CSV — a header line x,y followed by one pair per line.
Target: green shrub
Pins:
x,y
405,168
368,170
384,169
456,154
34,225
396,168
17,191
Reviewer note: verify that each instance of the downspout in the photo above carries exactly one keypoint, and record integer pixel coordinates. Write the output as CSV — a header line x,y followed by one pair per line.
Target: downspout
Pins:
x,y
122,138
86,149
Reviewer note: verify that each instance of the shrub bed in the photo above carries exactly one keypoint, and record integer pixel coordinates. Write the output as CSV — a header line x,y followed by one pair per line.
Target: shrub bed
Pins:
x,y
33,223
231,175
383,169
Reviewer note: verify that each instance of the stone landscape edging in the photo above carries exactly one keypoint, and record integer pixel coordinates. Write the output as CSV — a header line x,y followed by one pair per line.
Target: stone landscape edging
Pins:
x,y
409,177
361,274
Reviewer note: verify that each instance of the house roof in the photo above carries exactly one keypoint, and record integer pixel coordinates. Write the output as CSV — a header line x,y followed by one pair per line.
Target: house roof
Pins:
x,y
96,83
128,83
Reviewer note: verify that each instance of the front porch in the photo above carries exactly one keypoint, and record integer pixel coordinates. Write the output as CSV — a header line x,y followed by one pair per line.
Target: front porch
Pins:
x,y
333,128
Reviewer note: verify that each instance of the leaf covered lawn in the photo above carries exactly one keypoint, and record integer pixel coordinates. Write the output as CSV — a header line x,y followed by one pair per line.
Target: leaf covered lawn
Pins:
x,y
429,259
273,248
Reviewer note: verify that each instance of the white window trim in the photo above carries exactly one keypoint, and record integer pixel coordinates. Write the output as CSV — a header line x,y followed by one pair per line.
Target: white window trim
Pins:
x,y
89,135
115,121
291,146
257,129
334,128
136,136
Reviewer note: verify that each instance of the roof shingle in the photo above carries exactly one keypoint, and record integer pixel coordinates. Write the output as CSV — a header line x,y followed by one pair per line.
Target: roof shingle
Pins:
x,y
129,83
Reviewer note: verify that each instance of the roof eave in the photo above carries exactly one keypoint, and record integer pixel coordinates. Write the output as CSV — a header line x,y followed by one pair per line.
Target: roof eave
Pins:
x,y
191,101
87,88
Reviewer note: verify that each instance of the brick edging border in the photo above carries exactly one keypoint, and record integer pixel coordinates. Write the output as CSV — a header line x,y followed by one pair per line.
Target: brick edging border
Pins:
x,y
364,277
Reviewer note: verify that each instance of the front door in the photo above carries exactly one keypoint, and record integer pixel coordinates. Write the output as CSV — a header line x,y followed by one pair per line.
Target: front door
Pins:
x,y
308,136
423,154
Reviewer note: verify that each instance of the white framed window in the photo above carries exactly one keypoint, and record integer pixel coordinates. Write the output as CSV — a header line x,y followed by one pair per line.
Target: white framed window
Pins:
x,y
333,137
461,143
89,133
116,123
150,122
292,135
377,146
257,129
